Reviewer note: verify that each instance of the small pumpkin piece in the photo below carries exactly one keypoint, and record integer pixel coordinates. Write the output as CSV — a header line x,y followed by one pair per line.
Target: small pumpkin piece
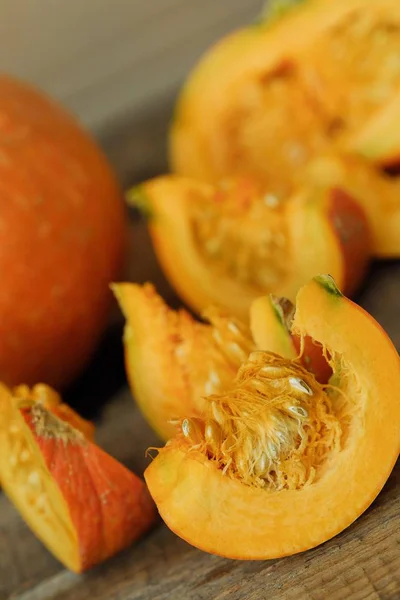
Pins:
x,y
83,504
173,361
258,470
271,320
226,245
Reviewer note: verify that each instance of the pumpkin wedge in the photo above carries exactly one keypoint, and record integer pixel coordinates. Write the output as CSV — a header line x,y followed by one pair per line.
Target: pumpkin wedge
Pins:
x,y
172,360
83,504
280,463
266,101
226,245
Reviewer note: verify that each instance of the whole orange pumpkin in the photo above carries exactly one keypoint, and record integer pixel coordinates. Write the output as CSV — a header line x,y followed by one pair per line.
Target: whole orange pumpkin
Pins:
x,y
62,239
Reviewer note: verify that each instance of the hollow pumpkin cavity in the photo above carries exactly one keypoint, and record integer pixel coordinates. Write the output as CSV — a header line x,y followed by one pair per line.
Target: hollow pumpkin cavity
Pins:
x,y
278,428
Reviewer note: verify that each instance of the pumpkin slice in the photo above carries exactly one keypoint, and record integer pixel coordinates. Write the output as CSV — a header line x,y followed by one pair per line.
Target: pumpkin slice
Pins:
x,y
364,184
278,465
82,503
271,320
172,360
266,101
226,245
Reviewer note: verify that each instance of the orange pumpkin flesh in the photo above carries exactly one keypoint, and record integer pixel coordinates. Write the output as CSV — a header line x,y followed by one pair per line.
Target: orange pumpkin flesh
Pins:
x,y
227,245
82,503
379,140
298,463
62,239
266,101
271,322
172,360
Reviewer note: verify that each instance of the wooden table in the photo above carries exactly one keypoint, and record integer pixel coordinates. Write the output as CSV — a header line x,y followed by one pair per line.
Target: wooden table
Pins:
x,y
362,563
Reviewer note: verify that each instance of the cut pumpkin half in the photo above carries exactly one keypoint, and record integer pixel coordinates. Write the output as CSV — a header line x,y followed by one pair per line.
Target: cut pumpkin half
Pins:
x,y
280,463
79,501
226,245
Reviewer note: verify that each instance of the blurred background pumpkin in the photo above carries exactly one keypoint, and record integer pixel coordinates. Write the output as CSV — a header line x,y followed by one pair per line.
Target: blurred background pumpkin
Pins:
x,y
62,239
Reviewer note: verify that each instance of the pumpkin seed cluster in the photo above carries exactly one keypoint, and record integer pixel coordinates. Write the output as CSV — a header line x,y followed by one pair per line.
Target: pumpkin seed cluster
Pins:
x,y
274,429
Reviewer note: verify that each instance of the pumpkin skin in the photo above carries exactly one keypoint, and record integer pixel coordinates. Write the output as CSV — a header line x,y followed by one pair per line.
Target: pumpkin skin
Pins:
x,y
79,501
238,520
62,239
261,248
265,101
